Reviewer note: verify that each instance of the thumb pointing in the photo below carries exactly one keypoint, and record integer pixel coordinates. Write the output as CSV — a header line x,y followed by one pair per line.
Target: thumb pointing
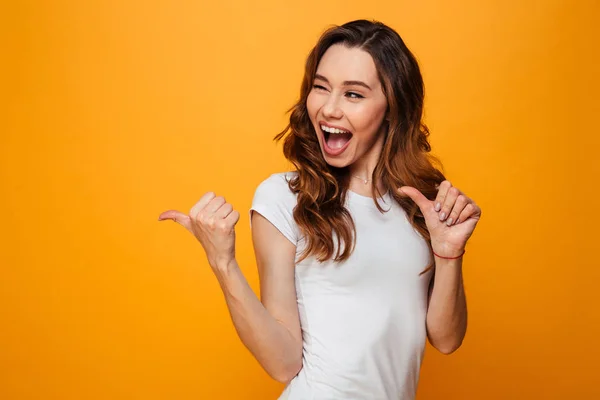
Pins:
x,y
176,216
414,194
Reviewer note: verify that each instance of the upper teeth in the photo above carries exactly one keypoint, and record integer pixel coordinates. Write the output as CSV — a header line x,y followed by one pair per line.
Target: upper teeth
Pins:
x,y
332,130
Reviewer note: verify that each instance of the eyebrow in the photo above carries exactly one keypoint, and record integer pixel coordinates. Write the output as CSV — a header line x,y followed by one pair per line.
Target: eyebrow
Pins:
x,y
345,83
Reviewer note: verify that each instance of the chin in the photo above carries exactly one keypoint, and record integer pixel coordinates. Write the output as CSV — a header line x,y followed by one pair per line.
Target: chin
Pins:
x,y
340,161
337,163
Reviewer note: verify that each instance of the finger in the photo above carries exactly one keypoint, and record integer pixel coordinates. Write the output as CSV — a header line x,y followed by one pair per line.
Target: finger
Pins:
x,y
471,210
176,216
415,195
441,195
206,215
459,205
204,200
232,218
449,200
224,211
465,213
214,205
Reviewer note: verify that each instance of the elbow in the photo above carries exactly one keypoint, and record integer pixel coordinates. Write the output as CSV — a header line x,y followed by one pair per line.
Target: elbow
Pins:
x,y
446,342
288,372
448,348
446,345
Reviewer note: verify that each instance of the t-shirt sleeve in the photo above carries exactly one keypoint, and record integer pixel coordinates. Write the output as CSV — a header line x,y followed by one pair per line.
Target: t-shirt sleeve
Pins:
x,y
274,201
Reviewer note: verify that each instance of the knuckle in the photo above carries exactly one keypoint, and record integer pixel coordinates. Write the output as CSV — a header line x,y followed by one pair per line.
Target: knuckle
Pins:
x,y
211,223
203,218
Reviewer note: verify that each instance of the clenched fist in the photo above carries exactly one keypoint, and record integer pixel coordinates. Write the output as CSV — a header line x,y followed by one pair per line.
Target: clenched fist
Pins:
x,y
212,221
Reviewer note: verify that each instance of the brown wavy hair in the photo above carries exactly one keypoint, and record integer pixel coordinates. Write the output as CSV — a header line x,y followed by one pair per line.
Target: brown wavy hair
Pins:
x,y
405,160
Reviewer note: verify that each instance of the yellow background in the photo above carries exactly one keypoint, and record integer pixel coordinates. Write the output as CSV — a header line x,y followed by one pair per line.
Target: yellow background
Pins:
x,y
113,112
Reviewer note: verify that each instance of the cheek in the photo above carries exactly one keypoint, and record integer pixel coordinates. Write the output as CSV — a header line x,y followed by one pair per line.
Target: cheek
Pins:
x,y
367,119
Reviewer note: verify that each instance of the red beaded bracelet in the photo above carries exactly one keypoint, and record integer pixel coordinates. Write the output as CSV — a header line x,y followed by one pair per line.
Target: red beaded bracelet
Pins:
x,y
451,258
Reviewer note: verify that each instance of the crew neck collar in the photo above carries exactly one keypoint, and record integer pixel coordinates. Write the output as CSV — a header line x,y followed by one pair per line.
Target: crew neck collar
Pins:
x,y
383,200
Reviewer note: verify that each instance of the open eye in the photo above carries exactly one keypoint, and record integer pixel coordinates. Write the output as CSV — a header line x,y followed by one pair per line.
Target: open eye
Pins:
x,y
354,95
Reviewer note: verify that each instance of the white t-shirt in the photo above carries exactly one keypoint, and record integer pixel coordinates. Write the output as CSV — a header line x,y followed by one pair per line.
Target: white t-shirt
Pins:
x,y
362,320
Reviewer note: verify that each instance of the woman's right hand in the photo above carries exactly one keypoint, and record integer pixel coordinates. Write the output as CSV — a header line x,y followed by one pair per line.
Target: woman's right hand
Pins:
x,y
212,221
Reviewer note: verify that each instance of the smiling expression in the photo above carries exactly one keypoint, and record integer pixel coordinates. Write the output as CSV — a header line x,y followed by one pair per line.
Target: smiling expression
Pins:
x,y
347,106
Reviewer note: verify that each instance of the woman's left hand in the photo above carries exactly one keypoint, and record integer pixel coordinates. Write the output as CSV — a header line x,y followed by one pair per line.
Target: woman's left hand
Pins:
x,y
451,218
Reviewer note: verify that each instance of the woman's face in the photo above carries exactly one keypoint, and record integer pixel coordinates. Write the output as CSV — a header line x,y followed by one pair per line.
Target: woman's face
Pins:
x,y
346,105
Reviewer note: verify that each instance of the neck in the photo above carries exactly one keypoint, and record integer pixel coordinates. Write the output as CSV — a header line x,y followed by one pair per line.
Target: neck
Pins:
x,y
358,185
362,169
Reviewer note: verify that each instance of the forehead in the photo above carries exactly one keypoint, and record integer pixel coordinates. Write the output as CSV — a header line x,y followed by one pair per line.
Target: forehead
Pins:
x,y
340,63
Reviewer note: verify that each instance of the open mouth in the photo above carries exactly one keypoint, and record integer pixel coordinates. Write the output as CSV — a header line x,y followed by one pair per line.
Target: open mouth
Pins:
x,y
335,139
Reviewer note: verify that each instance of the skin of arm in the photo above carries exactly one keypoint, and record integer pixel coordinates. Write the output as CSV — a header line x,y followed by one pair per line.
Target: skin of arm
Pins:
x,y
269,327
451,220
447,308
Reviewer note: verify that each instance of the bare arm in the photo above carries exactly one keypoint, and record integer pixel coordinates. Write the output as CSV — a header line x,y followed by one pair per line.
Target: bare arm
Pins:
x,y
447,309
269,329
450,220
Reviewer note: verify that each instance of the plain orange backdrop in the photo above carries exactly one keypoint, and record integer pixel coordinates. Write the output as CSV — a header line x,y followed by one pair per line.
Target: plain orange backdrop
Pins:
x,y
113,112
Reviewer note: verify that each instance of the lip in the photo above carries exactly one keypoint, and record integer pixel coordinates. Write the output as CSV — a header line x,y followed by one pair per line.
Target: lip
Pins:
x,y
333,126
327,149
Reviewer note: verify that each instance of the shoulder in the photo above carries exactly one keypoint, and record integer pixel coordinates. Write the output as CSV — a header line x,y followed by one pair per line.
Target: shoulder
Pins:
x,y
277,185
274,200
280,178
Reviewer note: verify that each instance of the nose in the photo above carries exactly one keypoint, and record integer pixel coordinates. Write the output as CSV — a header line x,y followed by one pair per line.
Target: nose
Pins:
x,y
331,108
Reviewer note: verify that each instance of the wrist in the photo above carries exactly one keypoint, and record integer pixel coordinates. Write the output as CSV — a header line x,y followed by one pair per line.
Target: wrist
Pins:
x,y
448,253
224,266
224,271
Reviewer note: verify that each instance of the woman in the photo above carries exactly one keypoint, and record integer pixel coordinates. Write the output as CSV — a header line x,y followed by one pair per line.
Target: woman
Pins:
x,y
360,248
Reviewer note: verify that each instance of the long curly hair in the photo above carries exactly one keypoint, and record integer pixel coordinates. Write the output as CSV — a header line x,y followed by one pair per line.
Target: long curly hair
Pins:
x,y
405,160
